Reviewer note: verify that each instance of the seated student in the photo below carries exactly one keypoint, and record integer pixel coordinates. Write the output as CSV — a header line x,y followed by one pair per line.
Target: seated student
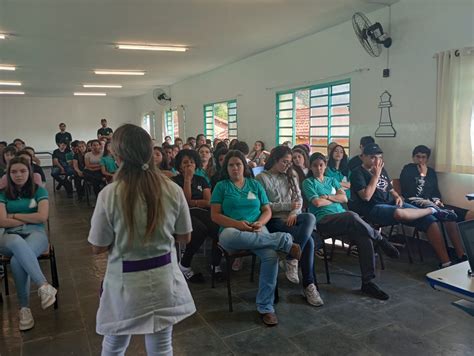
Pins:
x,y
198,195
419,185
108,166
207,169
233,143
179,143
61,169
79,164
239,205
8,153
300,163
374,197
36,167
258,156
281,185
200,140
93,172
191,141
219,157
326,196
19,144
23,212
356,161
338,168
3,145
159,158
37,178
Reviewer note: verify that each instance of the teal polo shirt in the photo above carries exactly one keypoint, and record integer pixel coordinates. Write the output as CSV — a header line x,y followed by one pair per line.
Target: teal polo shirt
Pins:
x,y
337,175
202,173
109,163
240,203
313,188
24,205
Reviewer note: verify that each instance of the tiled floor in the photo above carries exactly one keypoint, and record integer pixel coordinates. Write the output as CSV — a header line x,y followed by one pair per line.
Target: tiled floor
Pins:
x,y
415,321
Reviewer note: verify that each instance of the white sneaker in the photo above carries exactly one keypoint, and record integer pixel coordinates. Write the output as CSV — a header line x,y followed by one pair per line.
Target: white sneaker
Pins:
x,y
47,294
291,271
26,319
237,264
312,296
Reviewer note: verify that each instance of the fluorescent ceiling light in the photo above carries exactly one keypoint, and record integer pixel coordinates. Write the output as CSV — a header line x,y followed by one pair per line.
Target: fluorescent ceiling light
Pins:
x,y
113,86
6,67
89,94
151,47
118,72
15,84
11,92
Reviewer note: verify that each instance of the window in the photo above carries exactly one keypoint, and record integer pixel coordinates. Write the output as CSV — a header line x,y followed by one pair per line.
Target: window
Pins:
x,y
148,123
316,116
220,120
172,124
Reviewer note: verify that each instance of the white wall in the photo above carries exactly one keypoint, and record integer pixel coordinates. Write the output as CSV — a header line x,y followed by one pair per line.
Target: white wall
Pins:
x,y
419,29
35,120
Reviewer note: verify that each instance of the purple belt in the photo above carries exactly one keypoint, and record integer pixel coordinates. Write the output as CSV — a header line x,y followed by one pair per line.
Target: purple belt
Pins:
x,y
144,265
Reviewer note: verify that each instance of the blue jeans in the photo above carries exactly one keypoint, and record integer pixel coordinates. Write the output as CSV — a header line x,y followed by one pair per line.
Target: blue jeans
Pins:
x,y
264,245
157,344
383,214
24,244
301,233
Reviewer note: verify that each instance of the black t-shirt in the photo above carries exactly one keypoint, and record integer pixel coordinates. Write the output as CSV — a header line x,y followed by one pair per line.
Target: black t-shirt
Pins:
x,y
63,137
414,185
61,156
104,131
360,178
39,170
354,162
198,184
80,161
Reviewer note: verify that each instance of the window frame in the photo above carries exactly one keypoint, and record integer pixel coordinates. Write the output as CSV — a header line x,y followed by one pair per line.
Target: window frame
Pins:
x,y
232,119
330,95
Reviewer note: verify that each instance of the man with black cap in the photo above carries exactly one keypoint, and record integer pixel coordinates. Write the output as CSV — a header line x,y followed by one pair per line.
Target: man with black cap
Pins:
x,y
356,161
375,199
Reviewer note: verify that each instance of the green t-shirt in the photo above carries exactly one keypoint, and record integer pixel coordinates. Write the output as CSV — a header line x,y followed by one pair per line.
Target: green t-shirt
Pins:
x,y
109,163
313,188
240,203
202,173
336,174
24,205
69,156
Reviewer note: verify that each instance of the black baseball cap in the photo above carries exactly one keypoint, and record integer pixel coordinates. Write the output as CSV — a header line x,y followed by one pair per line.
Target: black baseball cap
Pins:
x,y
372,149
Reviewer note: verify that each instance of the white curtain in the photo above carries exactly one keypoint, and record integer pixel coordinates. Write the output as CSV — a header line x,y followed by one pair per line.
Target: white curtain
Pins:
x,y
454,111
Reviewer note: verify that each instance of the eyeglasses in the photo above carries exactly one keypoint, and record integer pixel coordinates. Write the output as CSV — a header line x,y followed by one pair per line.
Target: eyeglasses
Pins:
x,y
286,163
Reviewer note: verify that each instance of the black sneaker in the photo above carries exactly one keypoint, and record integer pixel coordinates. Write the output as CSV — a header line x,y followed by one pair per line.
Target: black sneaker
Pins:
x,y
445,215
58,186
372,290
387,248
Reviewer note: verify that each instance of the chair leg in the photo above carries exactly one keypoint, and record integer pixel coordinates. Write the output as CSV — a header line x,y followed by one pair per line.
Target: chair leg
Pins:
x,y
445,237
326,265
252,270
54,269
416,236
382,263
229,292
5,273
410,257
277,295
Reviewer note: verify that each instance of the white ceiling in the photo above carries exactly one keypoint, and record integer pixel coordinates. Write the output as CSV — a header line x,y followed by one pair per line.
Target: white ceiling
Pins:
x,y
57,43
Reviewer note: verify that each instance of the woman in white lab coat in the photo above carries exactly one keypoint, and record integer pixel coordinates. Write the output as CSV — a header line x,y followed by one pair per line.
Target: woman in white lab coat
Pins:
x,y
137,220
